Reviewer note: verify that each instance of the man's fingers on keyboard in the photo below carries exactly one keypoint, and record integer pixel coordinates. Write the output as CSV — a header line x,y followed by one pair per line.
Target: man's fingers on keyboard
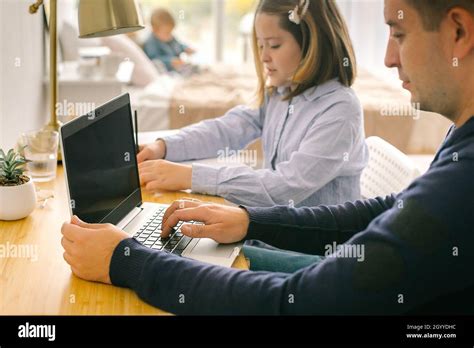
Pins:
x,y
197,231
179,204
172,220
198,213
167,226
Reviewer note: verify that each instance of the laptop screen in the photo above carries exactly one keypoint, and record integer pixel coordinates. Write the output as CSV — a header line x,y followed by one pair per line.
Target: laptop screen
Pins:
x,y
100,162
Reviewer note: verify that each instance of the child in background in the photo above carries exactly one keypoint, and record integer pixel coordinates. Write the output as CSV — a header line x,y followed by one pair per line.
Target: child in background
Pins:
x,y
162,45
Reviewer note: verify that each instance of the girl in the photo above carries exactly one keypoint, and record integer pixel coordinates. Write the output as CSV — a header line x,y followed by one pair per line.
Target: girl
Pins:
x,y
309,119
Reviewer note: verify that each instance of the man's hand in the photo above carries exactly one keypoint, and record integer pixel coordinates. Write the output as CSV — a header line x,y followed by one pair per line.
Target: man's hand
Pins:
x,y
222,223
88,248
153,151
161,174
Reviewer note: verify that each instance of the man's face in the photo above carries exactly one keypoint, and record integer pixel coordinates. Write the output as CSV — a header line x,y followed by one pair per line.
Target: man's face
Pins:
x,y
419,57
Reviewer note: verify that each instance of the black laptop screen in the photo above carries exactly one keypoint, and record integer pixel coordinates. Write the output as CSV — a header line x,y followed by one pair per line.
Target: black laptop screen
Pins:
x,y
101,167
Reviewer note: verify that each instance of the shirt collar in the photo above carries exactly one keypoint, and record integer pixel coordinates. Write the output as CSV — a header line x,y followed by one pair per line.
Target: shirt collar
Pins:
x,y
314,92
454,134
283,90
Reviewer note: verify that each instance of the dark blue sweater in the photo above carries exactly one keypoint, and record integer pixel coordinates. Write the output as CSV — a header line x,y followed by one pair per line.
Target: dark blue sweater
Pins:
x,y
418,254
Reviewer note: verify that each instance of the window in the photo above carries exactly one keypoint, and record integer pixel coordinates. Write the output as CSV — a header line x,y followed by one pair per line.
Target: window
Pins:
x,y
196,25
238,29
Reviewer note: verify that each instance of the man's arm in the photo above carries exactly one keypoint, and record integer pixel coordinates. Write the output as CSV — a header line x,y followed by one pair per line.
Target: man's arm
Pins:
x,y
368,282
414,253
409,255
286,228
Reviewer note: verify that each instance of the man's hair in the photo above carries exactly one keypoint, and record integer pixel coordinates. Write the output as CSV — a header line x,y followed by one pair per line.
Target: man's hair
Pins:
x,y
432,12
161,16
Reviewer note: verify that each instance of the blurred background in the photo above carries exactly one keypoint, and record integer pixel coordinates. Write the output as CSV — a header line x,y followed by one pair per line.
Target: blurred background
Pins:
x,y
218,76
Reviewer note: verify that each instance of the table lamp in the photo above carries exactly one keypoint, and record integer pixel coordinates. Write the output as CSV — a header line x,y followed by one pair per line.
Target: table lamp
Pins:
x,y
96,18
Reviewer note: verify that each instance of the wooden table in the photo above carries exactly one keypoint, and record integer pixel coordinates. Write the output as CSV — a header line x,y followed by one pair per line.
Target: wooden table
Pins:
x,y
43,283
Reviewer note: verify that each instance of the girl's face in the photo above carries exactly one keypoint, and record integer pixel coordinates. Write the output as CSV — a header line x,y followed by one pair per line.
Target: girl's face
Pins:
x,y
280,54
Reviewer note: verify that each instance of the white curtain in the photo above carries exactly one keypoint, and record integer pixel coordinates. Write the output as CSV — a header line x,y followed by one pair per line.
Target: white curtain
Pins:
x,y
369,33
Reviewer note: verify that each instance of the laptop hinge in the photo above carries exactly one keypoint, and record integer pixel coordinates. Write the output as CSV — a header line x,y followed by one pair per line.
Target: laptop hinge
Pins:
x,y
129,217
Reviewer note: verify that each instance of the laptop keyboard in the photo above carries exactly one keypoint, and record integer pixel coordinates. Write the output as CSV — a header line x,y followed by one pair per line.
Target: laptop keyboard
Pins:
x,y
150,235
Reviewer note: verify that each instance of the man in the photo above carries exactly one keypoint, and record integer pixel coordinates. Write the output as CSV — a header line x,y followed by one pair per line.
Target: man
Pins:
x,y
418,246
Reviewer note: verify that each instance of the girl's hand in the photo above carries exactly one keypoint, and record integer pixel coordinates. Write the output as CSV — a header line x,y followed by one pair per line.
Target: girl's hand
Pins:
x,y
224,224
153,151
161,174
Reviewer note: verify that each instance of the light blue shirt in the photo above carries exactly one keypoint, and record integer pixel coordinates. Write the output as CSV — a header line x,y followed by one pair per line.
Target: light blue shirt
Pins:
x,y
314,149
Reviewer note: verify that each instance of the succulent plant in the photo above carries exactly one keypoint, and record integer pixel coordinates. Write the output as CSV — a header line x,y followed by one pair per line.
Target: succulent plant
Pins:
x,y
12,166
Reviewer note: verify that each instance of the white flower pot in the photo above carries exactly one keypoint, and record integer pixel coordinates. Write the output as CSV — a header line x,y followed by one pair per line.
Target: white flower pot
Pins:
x,y
17,202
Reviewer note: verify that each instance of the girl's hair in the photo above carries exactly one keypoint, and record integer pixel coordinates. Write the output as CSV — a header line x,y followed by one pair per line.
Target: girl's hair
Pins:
x,y
322,35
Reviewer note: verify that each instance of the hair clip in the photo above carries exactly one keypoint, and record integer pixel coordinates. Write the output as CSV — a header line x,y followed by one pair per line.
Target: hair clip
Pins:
x,y
296,17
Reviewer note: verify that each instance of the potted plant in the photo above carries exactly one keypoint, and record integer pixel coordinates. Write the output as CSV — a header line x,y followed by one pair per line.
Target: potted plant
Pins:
x,y
17,191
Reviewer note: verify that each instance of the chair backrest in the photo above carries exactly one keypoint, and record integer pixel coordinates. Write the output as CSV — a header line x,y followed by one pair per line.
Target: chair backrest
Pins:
x,y
389,170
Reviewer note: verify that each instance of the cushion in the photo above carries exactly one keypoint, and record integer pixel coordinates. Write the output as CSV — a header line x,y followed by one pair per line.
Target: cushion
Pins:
x,y
70,42
145,71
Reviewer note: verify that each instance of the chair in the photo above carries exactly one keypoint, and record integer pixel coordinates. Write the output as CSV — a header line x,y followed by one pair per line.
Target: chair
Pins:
x,y
389,170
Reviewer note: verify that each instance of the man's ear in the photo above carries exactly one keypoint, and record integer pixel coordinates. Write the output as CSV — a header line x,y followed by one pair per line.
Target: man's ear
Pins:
x,y
462,21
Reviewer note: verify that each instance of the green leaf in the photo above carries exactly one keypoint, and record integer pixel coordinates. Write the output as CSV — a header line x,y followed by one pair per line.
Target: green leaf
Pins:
x,y
10,154
16,165
11,165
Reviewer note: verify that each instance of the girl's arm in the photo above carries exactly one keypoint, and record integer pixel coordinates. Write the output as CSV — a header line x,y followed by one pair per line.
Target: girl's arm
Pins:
x,y
321,157
235,130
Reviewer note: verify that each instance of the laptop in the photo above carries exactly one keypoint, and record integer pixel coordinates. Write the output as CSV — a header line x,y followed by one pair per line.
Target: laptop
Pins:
x,y
102,181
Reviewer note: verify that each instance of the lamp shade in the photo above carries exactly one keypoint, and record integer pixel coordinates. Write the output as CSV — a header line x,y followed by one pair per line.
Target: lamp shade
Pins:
x,y
108,17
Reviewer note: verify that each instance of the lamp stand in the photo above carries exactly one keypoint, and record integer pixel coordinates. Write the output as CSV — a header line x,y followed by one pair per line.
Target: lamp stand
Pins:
x,y
53,124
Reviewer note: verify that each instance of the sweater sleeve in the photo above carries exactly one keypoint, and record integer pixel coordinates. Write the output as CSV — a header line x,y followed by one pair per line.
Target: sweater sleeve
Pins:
x,y
412,254
285,227
405,261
